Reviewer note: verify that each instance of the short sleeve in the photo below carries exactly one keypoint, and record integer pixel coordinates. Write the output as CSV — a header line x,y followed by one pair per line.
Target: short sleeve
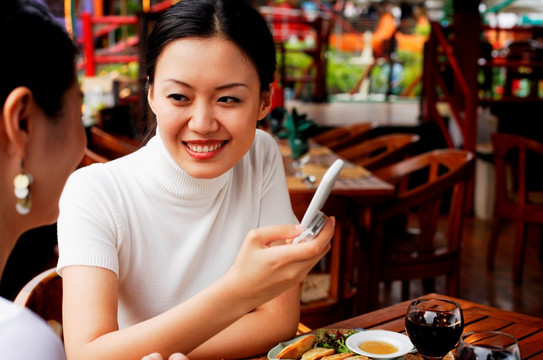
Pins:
x,y
88,220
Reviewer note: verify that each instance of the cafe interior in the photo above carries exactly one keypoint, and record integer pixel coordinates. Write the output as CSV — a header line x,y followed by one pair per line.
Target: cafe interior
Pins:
x,y
432,105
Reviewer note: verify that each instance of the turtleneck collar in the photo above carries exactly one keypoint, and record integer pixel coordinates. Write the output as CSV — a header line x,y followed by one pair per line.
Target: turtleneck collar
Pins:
x,y
171,179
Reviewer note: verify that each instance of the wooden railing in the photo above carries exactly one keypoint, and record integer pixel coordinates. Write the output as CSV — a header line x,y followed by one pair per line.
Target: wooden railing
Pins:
x,y
454,91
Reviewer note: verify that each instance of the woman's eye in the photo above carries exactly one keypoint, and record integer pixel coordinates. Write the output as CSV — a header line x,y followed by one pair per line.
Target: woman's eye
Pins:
x,y
229,99
177,97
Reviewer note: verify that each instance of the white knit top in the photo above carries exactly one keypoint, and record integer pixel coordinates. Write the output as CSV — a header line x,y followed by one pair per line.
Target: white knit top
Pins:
x,y
162,231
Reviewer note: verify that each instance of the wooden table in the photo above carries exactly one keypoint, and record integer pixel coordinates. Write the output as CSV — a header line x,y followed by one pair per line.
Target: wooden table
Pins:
x,y
527,329
354,181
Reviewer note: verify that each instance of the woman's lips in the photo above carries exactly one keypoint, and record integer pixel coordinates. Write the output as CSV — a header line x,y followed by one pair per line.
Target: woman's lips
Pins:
x,y
204,150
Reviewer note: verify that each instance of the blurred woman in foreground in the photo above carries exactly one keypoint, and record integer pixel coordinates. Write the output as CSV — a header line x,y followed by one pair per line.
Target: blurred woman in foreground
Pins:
x,y
41,142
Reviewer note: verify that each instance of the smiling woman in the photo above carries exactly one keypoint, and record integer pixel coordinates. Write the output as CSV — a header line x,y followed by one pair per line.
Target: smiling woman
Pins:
x,y
168,248
207,108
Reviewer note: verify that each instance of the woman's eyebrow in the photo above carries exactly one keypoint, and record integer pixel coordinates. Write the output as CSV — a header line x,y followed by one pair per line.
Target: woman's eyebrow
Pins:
x,y
221,87
178,82
232,85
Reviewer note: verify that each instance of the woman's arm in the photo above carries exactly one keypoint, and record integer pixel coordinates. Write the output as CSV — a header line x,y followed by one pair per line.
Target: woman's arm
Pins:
x,y
259,274
256,332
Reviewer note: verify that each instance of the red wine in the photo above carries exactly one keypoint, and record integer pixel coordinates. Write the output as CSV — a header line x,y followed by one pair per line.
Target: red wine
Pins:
x,y
434,341
487,352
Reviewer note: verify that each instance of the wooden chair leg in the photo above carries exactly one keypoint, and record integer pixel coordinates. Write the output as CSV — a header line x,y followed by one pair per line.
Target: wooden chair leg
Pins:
x,y
540,236
405,290
518,260
493,242
428,285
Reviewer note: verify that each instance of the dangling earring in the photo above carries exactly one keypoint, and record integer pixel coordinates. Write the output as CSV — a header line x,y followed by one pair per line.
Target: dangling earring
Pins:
x,y
22,191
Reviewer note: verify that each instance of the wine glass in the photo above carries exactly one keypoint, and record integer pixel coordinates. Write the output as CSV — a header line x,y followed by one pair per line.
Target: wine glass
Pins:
x,y
434,326
487,345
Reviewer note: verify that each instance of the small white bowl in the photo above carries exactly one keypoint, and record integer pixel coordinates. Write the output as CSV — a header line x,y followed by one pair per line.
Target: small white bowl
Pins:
x,y
400,341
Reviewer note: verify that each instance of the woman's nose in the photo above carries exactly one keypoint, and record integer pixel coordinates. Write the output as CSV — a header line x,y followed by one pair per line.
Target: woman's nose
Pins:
x,y
203,120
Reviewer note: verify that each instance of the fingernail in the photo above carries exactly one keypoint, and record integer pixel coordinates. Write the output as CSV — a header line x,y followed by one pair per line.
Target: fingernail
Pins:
x,y
299,227
333,221
177,356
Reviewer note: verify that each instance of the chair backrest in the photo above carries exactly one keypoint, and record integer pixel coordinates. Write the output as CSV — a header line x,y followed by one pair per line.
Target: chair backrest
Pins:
x,y
340,137
90,157
414,235
108,145
43,295
517,166
380,151
423,180
103,146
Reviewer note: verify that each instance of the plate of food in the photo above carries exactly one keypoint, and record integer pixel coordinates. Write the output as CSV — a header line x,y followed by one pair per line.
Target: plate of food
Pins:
x,y
379,344
324,344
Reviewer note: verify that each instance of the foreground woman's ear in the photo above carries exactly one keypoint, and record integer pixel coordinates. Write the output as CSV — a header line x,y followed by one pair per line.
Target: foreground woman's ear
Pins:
x,y
16,113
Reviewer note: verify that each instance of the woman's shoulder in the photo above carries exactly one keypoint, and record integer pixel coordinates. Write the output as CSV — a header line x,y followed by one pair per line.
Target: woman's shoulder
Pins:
x,y
25,335
264,143
99,172
264,137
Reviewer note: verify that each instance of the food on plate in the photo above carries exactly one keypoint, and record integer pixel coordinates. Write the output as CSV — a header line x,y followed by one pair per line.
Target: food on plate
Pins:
x,y
340,356
297,348
333,339
358,357
323,344
317,353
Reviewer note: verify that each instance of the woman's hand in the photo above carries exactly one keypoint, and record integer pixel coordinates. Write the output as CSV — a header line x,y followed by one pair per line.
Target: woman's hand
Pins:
x,y
262,271
157,356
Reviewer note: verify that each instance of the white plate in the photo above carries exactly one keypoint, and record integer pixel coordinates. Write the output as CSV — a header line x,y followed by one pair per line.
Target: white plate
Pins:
x,y
400,341
277,349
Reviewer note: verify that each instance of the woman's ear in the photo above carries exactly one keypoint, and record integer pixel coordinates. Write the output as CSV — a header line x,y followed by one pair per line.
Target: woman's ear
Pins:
x,y
17,112
150,96
265,104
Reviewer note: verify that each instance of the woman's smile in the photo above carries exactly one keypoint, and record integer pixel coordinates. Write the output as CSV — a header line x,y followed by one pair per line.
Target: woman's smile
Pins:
x,y
202,150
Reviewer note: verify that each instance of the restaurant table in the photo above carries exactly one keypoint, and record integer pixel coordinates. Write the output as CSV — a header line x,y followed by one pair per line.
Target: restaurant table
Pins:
x,y
527,329
354,181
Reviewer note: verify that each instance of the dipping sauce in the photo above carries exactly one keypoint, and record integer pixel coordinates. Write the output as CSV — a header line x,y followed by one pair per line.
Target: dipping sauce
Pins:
x,y
378,347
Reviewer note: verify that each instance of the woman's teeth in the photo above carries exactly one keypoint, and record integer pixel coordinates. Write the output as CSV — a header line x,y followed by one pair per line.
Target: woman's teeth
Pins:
x,y
204,149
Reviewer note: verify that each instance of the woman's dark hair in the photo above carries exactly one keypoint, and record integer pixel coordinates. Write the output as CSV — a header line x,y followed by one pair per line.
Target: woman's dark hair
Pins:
x,y
233,20
36,52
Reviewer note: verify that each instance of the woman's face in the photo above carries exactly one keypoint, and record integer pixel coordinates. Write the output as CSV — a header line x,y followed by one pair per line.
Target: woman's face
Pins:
x,y
56,149
206,98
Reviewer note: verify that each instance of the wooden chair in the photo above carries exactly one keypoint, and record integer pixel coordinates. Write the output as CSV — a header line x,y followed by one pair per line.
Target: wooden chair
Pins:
x,y
417,234
90,157
103,146
341,137
518,192
108,145
43,295
328,292
380,151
